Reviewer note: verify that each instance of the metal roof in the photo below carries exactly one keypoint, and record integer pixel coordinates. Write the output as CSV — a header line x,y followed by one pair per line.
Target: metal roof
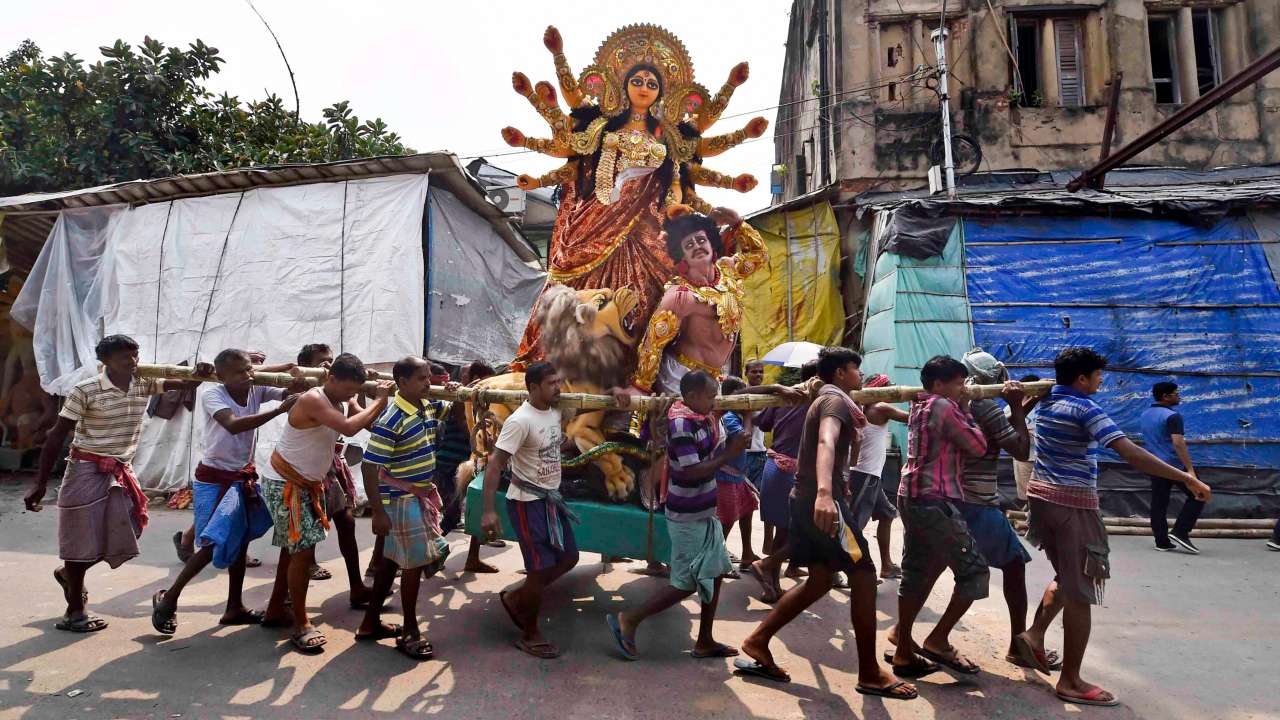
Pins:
x,y
1173,191
29,217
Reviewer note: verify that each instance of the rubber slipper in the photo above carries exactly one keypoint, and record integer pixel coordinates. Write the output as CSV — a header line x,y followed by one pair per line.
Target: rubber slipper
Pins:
x,y
917,668
248,617
164,621
627,647
418,648
85,624
951,663
253,562
319,573
721,651
1026,655
383,632
84,594
888,691
502,600
1090,698
183,554
773,673
542,650
310,642
893,573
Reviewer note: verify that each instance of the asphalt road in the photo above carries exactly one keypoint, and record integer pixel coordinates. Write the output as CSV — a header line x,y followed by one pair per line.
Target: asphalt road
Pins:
x,y
1179,637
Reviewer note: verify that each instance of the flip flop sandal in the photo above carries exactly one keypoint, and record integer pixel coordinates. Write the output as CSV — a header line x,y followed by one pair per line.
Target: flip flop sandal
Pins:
x,y
418,648
721,651
918,667
183,554
888,691
497,543
1025,655
541,650
772,673
893,574
164,621
86,624
253,562
84,594
502,600
384,631
319,573
951,663
628,647
1090,698
310,642
248,617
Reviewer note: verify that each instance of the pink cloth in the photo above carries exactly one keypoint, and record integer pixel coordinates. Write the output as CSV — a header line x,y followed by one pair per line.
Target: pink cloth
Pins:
x,y
734,501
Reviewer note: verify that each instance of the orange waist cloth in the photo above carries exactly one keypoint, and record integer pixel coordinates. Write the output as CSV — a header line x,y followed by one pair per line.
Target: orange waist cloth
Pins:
x,y
607,246
295,482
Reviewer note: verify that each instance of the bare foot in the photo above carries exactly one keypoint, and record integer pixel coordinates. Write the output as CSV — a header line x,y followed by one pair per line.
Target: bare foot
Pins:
x,y
479,566
796,573
891,572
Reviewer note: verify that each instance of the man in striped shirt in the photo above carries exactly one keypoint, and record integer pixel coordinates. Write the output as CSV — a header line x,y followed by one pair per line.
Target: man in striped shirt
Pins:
x,y
101,508
695,452
399,477
941,437
1064,517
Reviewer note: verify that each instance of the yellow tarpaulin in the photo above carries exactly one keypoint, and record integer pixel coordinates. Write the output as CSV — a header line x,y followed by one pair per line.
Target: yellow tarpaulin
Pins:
x,y
798,296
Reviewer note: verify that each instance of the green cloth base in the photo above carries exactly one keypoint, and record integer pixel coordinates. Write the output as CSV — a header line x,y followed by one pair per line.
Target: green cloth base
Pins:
x,y
619,530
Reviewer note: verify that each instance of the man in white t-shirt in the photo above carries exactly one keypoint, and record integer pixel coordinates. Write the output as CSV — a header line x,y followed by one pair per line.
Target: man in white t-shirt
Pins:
x,y
530,444
228,508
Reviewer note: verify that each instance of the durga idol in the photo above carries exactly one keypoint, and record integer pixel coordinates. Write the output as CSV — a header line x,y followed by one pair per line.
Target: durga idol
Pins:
x,y
634,143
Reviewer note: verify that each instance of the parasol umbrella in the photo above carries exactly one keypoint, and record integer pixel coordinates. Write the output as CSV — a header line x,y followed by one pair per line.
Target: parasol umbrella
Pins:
x,y
792,354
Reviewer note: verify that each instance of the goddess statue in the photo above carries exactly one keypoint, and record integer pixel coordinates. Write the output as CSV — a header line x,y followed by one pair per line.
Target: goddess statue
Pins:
x,y
634,142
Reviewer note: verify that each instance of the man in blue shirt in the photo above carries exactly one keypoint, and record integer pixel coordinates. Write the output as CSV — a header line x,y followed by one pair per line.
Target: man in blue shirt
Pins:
x,y
1064,518
1162,430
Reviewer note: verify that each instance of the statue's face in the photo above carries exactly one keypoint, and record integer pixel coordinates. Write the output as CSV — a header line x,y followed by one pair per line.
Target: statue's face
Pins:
x,y
698,251
643,90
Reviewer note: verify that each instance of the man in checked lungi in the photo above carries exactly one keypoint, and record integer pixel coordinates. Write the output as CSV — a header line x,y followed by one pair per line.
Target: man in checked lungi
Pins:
x,y
400,478
101,508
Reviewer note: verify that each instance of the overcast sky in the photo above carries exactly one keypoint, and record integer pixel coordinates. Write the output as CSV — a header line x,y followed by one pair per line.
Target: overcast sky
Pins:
x,y
438,72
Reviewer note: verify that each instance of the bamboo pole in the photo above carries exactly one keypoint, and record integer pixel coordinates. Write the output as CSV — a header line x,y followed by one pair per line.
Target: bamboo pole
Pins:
x,y
584,401
1203,523
1232,533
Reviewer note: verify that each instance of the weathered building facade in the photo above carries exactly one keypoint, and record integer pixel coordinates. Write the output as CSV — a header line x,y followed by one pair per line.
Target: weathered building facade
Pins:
x,y
1030,84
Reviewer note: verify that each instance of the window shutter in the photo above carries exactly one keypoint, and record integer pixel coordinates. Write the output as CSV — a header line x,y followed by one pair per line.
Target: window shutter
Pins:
x,y
1070,74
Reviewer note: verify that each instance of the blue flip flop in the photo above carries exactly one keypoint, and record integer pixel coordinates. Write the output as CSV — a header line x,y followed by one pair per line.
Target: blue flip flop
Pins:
x,y
628,648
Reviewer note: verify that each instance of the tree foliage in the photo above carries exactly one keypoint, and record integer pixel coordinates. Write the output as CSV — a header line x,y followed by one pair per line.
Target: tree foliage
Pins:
x,y
145,113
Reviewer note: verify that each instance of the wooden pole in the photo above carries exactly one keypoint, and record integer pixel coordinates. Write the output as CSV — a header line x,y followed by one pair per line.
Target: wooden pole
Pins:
x,y
585,401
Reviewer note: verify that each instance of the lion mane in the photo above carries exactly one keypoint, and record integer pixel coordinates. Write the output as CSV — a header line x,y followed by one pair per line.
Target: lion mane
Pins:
x,y
577,351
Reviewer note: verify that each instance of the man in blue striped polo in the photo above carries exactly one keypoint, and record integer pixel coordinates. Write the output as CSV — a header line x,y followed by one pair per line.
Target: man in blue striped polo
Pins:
x,y
399,475
1064,519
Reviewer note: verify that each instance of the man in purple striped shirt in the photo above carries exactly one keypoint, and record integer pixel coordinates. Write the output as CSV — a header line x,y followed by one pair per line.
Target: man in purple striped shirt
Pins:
x,y
695,451
941,437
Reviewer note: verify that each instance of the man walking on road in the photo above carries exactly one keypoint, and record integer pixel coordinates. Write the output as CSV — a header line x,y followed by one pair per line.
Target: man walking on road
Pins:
x,y
823,536
1064,520
1162,429
530,443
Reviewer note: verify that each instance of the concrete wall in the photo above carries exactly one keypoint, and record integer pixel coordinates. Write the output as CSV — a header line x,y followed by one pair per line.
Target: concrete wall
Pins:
x,y
884,125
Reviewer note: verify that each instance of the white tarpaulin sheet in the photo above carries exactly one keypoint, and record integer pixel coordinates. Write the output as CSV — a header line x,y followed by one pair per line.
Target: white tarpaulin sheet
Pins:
x,y
481,293
269,269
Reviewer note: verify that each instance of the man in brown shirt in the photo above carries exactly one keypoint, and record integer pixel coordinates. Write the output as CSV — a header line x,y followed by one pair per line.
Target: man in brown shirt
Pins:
x,y
823,536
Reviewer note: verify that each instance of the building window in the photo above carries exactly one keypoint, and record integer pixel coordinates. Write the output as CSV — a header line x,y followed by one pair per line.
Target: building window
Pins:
x,y
1172,49
1164,59
1206,32
1055,78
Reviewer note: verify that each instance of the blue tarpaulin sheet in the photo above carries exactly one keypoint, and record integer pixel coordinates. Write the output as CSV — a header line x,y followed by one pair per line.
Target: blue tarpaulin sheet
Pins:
x,y
1160,299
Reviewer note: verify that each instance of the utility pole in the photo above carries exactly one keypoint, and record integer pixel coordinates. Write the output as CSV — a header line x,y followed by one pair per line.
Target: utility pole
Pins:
x,y
940,48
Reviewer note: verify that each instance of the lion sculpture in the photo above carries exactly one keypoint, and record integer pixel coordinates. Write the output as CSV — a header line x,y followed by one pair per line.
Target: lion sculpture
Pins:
x,y
584,337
